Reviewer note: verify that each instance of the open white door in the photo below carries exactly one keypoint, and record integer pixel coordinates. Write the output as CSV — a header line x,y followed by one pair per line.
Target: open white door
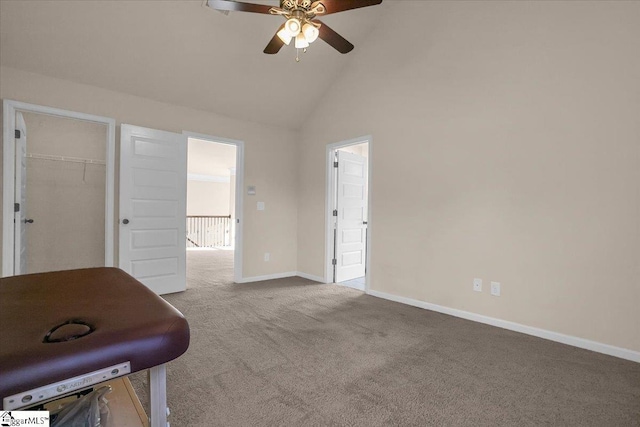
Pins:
x,y
153,200
351,227
20,218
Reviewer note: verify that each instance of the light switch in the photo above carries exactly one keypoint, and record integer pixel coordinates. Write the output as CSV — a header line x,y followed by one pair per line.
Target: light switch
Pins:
x,y
495,289
260,206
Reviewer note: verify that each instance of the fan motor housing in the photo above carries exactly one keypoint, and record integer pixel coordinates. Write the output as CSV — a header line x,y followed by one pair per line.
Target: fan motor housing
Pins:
x,y
295,5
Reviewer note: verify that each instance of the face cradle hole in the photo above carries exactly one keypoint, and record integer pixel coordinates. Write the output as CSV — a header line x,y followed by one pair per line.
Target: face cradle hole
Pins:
x,y
68,331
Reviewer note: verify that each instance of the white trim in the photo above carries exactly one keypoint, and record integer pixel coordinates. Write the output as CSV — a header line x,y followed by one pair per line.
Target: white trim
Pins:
x,y
208,178
8,161
237,254
610,350
267,277
9,123
330,195
310,277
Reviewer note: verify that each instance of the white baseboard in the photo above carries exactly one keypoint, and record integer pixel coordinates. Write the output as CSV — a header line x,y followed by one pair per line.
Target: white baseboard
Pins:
x,y
610,350
310,277
267,277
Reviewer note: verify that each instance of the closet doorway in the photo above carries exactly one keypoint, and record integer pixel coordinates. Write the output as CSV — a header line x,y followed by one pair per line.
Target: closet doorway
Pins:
x,y
60,189
348,236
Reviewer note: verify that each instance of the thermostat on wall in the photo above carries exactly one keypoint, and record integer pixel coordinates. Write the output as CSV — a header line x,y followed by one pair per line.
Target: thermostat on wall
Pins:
x,y
251,190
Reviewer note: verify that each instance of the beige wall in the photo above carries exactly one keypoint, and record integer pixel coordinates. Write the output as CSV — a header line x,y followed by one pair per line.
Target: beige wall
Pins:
x,y
269,155
208,198
207,158
506,146
65,200
211,161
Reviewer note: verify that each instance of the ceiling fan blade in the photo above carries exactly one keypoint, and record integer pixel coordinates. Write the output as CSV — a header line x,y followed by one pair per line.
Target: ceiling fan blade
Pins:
x,y
238,6
334,39
275,44
334,6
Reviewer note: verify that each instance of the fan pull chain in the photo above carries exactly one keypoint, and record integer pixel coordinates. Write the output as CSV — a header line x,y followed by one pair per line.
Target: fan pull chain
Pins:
x,y
298,53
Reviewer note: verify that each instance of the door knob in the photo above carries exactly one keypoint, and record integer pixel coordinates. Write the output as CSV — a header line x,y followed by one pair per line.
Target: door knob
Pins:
x,y
28,221
125,221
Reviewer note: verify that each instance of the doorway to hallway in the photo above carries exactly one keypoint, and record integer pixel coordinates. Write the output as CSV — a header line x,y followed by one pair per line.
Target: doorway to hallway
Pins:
x,y
212,222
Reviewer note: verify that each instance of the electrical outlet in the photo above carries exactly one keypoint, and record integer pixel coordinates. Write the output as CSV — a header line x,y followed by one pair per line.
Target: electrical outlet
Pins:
x,y
267,256
477,285
495,289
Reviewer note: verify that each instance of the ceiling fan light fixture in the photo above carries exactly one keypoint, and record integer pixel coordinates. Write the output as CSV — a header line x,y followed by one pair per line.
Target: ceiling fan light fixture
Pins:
x,y
300,20
293,26
285,36
310,32
301,41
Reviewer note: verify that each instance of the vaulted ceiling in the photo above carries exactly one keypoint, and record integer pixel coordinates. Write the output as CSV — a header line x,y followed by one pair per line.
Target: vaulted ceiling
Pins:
x,y
179,52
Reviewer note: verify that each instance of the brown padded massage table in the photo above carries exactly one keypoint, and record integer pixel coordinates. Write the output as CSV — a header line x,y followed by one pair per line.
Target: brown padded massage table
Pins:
x,y
65,331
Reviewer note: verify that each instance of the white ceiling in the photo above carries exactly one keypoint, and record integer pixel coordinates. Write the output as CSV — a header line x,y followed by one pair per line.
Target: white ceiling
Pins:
x,y
179,52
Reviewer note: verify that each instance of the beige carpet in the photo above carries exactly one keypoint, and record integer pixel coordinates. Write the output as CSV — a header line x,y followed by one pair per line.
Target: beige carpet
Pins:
x,y
292,352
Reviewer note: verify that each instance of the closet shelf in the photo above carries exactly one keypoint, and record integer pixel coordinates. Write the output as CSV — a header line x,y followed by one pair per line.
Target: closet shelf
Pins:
x,y
65,159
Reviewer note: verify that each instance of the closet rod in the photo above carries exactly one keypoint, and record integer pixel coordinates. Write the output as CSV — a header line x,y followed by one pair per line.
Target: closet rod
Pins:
x,y
65,159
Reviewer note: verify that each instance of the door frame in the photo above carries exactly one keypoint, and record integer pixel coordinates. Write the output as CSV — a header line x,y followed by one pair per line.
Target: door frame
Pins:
x,y
237,248
10,108
330,195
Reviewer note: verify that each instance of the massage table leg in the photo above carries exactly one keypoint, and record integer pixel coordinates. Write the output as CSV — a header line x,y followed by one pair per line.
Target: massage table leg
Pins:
x,y
158,396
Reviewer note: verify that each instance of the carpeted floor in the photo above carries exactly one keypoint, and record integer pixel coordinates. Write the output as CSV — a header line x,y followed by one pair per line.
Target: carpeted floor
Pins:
x,y
293,352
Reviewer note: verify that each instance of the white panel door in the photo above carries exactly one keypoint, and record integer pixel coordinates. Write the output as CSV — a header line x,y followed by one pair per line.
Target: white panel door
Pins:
x,y
153,207
351,228
20,219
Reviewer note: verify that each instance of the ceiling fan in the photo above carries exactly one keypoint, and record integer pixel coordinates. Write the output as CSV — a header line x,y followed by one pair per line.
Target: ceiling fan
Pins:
x,y
301,23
